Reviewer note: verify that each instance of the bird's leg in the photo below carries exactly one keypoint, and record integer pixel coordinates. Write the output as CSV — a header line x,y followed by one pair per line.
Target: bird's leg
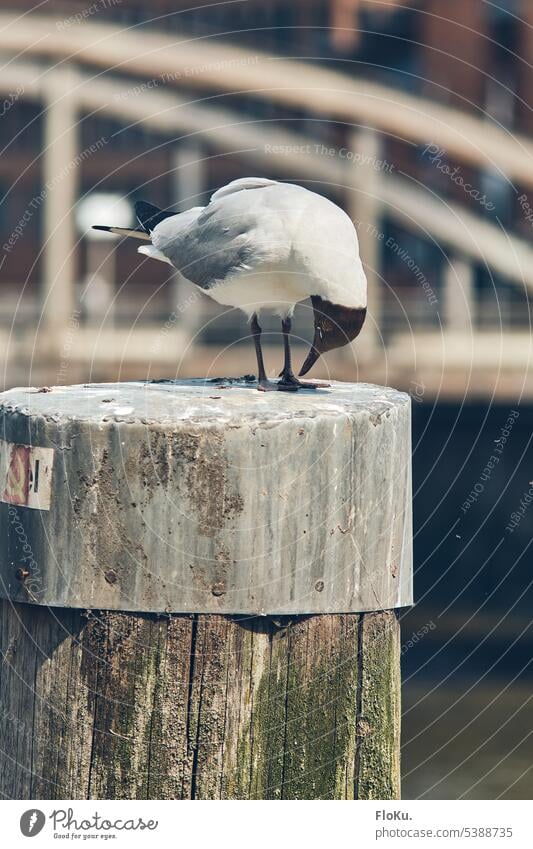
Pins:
x,y
289,382
264,385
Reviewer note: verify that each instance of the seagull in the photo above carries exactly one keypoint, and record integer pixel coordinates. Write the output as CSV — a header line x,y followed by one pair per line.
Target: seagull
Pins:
x,y
264,245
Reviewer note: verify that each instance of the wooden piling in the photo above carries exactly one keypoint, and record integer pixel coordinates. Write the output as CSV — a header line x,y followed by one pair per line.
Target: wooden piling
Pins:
x,y
199,591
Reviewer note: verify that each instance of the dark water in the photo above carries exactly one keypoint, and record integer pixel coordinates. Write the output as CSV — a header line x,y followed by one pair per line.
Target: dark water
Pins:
x,y
468,643
470,742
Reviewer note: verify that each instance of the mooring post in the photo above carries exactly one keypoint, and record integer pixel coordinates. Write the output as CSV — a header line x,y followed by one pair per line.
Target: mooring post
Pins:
x,y
199,585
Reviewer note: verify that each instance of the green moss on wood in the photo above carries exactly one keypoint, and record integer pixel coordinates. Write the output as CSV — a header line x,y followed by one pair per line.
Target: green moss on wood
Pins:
x,y
137,706
378,723
301,739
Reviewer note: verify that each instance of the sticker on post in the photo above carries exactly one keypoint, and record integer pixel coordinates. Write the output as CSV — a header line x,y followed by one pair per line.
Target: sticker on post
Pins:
x,y
26,475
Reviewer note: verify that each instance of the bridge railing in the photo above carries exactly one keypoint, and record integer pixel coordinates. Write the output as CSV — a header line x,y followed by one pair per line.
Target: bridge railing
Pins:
x,y
370,193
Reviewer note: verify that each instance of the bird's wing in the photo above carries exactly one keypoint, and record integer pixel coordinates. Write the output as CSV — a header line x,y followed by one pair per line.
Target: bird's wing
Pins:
x,y
243,184
237,232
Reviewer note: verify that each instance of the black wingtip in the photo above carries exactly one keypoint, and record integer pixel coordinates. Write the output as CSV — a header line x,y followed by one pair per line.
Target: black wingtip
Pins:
x,y
102,227
149,216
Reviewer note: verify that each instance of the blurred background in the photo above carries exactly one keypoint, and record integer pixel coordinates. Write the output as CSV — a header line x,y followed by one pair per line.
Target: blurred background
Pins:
x,y
415,116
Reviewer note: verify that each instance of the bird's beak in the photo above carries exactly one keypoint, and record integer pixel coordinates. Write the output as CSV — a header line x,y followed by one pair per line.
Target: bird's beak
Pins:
x,y
312,356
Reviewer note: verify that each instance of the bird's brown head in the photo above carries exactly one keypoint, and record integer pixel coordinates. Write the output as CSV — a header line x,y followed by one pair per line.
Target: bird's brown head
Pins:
x,y
335,326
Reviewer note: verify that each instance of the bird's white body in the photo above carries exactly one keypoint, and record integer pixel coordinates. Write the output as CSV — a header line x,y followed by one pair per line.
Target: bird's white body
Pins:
x,y
277,287
260,245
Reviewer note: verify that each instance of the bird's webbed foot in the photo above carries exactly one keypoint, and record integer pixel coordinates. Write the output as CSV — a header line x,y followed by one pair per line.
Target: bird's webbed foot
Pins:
x,y
290,383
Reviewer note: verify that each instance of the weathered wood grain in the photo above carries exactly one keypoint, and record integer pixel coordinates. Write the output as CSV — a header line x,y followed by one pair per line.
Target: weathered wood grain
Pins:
x,y
118,705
